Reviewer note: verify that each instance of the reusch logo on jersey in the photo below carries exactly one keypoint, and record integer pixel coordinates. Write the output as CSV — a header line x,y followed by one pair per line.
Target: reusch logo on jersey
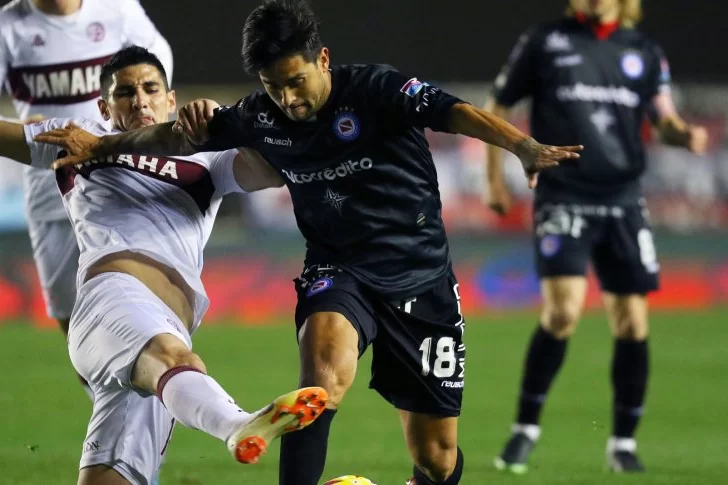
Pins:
x,y
412,87
346,125
68,83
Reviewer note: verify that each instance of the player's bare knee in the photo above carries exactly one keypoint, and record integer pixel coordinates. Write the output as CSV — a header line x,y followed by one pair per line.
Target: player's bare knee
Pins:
x,y
329,354
331,367
162,353
436,458
561,321
628,327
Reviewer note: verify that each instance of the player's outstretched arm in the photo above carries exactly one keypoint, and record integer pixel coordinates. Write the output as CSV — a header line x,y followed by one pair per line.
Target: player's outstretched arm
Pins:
x,y
82,146
674,130
498,197
12,142
468,120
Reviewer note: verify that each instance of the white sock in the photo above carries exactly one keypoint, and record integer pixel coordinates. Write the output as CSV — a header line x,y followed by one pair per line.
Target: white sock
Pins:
x,y
197,401
621,444
532,431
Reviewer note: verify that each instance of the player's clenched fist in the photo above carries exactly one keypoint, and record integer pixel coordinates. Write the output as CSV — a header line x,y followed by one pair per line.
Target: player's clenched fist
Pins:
x,y
192,120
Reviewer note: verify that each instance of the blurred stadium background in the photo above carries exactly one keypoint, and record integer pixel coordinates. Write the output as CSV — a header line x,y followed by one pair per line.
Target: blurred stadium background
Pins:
x,y
255,251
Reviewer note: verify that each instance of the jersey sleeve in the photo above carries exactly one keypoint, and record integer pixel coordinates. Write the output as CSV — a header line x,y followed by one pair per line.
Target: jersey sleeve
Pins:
x,y
228,128
221,171
660,77
42,155
140,30
517,78
409,101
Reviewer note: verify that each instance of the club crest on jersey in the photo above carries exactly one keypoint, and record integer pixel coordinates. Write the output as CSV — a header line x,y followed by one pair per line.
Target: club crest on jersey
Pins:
x,y
319,285
412,87
96,31
550,245
346,125
632,64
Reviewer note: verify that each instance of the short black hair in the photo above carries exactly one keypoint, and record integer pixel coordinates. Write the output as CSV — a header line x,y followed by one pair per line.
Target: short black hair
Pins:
x,y
277,29
128,56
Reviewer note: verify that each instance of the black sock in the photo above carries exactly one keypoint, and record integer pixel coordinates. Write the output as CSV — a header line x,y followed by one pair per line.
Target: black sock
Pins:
x,y
303,453
453,479
543,361
630,368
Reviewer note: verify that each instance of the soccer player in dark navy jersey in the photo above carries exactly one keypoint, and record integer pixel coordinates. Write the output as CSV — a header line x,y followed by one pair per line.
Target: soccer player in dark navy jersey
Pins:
x,y
593,78
349,143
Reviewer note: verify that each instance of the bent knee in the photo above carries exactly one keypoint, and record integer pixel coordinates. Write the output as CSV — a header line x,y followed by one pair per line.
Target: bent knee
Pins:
x,y
162,353
437,459
329,347
561,322
635,329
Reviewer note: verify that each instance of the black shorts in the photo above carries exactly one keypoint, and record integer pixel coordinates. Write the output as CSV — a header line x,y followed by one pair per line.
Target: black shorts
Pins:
x,y
616,239
418,361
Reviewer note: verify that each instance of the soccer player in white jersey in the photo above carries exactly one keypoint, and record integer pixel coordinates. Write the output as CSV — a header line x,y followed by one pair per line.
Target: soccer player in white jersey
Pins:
x,y
141,225
51,53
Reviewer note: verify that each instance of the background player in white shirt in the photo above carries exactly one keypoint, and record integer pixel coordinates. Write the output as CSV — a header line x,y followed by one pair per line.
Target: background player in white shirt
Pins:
x,y
141,225
51,53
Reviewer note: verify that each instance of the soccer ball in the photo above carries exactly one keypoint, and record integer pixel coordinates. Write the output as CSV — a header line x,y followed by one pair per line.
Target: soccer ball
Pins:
x,y
350,480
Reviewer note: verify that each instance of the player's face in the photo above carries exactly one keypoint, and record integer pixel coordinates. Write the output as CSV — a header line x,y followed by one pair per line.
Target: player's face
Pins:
x,y
58,7
596,8
137,97
297,86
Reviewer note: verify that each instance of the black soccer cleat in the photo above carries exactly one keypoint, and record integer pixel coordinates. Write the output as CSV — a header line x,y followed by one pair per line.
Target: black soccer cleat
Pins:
x,y
624,462
514,457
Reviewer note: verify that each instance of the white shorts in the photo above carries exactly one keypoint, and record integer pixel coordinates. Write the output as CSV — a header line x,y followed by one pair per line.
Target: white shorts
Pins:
x,y
114,318
55,252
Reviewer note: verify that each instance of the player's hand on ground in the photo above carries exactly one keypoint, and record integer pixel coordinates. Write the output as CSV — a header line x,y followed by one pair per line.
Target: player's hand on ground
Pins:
x,y
80,145
499,198
697,139
192,120
536,157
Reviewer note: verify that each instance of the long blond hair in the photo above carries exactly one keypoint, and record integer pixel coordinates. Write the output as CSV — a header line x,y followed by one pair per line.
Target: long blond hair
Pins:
x,y
630,13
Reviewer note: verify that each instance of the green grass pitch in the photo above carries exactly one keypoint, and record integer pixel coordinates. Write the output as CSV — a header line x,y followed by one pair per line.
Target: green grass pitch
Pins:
x,y
683,439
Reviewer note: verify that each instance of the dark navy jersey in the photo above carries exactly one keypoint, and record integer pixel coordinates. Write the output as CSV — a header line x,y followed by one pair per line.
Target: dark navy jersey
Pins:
x,y
361,176
587,91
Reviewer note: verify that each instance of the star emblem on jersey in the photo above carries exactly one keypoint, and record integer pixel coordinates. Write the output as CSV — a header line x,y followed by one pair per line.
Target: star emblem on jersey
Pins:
x,y
334,200
632,64
346,125
602,119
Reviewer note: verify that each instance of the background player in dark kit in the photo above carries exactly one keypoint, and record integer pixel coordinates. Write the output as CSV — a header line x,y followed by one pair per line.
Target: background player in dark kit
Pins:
x,y
349,142
591,77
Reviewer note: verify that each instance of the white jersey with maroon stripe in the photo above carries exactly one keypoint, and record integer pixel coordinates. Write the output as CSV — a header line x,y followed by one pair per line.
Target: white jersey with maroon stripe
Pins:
x,y
162,207
50,65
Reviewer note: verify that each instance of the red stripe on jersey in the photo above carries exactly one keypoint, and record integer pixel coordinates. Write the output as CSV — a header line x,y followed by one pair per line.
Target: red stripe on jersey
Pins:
x,y
189,176
68,83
